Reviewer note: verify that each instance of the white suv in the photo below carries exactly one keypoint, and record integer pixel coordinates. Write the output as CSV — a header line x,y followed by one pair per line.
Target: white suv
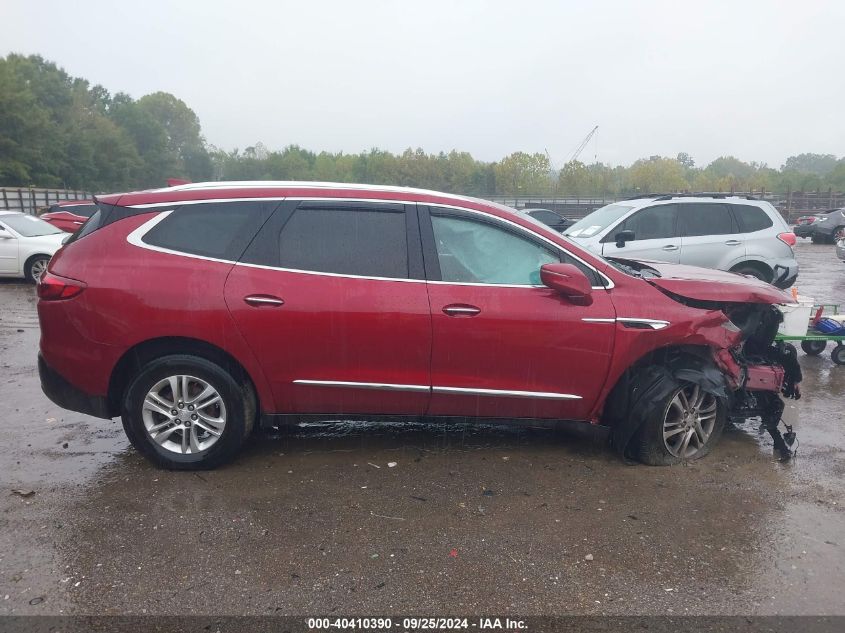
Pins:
x,y
734,233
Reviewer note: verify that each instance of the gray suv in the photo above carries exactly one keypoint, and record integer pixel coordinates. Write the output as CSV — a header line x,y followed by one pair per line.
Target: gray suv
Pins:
x,y
734,233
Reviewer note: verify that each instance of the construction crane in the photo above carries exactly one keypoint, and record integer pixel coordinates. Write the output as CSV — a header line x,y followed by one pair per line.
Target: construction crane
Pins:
x,y
583,144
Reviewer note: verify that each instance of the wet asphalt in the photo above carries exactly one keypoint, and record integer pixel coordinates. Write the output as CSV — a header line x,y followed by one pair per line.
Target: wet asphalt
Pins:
x,y
469,520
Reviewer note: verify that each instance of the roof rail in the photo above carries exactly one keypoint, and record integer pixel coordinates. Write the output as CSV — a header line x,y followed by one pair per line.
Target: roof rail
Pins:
x,y
669,196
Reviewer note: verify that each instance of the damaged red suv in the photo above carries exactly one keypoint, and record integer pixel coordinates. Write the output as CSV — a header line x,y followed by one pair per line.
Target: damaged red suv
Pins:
x,y
230,306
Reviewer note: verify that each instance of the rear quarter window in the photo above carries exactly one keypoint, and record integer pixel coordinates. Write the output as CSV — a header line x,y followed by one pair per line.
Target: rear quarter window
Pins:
x,y
751,218
221,230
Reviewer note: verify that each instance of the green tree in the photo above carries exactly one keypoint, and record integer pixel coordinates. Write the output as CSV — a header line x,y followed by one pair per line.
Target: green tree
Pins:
x,y
185,144
522,174
817,164
657,174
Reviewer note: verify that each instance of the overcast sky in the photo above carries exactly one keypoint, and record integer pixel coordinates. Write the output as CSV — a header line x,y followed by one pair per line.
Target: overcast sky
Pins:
x,y
758,80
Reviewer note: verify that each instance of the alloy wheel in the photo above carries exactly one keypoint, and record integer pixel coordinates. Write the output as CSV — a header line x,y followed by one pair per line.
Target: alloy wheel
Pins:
x,y
689,421
184,414
38,268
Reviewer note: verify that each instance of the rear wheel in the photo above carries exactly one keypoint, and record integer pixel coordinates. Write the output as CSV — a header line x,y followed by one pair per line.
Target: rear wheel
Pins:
x,y
185,412
813,348
691,423
838,354
36,267
838,233
753,271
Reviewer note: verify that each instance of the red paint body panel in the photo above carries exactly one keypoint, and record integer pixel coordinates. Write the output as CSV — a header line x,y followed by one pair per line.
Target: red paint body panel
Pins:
x,y
334,328
141,295
362,330
715,285
523,339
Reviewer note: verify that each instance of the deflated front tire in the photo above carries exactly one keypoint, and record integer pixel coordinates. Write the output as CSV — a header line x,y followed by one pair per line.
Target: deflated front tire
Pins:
x,y
682,426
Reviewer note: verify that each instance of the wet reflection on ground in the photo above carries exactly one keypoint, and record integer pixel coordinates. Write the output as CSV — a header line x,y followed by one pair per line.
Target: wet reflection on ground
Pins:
x,y
467,519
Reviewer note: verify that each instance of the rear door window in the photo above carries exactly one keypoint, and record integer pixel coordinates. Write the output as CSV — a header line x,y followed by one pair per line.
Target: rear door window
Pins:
x,y
367,242
702,218
220,230
751,218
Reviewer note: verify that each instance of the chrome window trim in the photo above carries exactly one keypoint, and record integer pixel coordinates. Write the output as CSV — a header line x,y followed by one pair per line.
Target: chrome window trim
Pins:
x,y
135,238
322,274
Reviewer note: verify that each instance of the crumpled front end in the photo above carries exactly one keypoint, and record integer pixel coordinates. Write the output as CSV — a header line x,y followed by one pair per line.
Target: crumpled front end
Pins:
x,y
758,371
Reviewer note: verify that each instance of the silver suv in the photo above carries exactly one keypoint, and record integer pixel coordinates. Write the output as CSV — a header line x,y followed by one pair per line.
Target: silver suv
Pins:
x,y
734,233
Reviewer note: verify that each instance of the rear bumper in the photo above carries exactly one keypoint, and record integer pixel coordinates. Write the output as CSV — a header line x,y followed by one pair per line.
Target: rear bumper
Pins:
x,y
64,394
804,230
785,273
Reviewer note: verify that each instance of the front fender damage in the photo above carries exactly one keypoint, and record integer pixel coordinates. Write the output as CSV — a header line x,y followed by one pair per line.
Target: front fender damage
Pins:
x,y
738,362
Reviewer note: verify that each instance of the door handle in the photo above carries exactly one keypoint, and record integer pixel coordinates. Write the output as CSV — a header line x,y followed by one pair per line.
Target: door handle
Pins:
x,y
461,309
258,301
733,243
670,247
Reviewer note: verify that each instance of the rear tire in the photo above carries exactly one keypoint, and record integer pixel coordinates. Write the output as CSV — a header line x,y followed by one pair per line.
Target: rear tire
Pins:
x,y
753,271
688,425
813,348
35,267
838,354
169,424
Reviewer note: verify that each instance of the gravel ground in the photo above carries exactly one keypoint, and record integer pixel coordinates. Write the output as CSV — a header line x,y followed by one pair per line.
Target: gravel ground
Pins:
x,y
470,520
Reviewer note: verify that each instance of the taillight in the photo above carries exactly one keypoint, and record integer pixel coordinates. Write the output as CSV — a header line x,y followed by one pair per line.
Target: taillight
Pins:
x,y
787,238
54,288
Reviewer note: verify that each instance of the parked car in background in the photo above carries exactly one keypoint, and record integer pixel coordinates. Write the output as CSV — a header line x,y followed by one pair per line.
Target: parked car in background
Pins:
x,y
550,218
230,305
26,245
69,215
732,233
805,225
829,228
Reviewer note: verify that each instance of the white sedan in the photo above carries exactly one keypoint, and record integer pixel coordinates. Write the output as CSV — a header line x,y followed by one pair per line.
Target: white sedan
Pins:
x,y
26,245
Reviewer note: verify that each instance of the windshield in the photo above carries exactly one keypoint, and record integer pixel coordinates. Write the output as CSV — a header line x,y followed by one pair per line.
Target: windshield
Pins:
x,y
29,225
598,220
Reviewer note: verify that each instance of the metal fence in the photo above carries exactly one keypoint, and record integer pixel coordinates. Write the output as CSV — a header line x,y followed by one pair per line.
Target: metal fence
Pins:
x,y
30,199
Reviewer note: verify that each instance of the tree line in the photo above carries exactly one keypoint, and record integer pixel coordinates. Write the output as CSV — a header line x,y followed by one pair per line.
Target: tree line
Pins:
x,y
60,131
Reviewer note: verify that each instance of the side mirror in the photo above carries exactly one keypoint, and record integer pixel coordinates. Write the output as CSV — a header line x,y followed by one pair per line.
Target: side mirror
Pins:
x,y
622,237
569,281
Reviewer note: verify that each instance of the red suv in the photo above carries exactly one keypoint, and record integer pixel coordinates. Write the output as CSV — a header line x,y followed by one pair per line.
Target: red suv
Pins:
x,y
229,306
69,215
